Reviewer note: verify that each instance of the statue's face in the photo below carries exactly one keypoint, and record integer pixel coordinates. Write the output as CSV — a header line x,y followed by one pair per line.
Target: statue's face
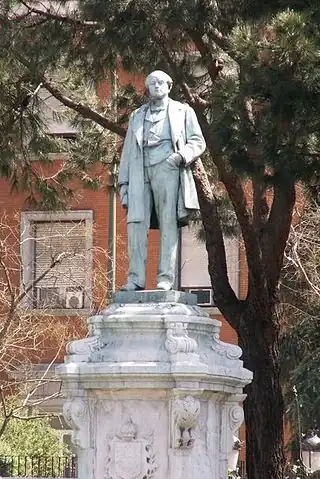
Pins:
x,y
158,87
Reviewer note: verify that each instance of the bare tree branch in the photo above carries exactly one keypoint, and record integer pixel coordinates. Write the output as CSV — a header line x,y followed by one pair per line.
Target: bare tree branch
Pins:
x,y
22,339
6,415
40,380
8,280
32,418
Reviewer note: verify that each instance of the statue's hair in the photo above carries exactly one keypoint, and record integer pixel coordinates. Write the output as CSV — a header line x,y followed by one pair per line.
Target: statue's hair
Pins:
x,y
161,74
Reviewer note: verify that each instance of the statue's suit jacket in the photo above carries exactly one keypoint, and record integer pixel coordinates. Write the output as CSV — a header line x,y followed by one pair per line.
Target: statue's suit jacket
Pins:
x,y
187,139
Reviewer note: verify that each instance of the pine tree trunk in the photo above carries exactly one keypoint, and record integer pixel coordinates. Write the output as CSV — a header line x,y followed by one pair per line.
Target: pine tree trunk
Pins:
x,y
263,408
253,318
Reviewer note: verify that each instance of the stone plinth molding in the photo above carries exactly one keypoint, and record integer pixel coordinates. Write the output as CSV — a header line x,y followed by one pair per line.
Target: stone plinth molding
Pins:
x,y
153,392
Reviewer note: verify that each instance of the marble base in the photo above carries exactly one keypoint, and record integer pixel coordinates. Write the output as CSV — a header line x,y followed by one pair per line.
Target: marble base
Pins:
x,y
155,296
153,392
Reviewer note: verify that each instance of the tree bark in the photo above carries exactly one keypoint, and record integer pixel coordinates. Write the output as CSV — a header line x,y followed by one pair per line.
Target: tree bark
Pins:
x,y
217,262
263,407
257,325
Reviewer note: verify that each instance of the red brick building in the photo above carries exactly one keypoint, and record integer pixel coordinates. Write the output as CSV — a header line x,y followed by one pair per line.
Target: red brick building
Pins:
x,y
78,286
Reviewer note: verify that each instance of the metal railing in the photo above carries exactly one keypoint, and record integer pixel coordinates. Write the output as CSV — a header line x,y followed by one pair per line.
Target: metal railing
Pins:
x,y
38,466
67,467
242,469
290,472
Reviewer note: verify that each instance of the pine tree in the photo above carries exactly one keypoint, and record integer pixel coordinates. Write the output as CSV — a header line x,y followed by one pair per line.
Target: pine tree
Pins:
x,y
251,72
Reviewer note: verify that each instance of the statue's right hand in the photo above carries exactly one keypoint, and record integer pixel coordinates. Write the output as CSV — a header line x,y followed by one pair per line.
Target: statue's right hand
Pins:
x,y
124,195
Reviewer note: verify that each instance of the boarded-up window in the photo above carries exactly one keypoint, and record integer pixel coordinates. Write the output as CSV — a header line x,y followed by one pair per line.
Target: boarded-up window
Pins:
x,y
67,240
45,237
65,284
52,113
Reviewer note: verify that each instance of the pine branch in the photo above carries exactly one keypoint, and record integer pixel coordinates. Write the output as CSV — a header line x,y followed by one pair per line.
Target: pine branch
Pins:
x,y
244,216
223,292
51,15
239,201
255,159
194,100
260,206
80,108
214,66
232,182
84,110
222,41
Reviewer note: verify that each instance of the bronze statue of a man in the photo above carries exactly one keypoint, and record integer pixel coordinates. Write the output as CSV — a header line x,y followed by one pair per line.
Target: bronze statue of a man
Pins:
x,y
156,183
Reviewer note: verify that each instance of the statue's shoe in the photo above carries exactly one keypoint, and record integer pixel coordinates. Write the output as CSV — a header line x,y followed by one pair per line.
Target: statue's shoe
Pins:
x,y
130,286
164,285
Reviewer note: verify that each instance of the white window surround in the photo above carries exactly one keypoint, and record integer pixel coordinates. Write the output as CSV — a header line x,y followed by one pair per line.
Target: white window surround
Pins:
x,y
194,263
51,108
28,218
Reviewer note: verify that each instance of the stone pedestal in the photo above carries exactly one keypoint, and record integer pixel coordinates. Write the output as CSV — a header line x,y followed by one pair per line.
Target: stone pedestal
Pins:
x,y
153,392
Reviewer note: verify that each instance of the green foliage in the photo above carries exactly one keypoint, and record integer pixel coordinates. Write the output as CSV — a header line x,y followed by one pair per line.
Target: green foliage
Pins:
x,y
271,64
34,437
34,447
34,441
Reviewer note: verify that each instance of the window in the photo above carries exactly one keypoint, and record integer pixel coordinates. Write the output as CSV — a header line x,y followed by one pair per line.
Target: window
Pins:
x,y
56,121
56,259
194,276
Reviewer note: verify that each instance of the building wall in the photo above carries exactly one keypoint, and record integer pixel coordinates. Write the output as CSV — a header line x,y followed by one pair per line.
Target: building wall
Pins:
x,y
13,203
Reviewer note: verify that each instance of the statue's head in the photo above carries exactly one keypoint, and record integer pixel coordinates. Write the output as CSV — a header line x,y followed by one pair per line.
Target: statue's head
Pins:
x,y
158,84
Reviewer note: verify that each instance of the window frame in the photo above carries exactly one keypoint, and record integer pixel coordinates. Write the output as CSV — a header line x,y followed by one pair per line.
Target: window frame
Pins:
x,y
28,218
231,244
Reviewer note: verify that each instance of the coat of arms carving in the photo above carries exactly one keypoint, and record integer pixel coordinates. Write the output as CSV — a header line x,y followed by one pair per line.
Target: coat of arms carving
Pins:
x,y
130,457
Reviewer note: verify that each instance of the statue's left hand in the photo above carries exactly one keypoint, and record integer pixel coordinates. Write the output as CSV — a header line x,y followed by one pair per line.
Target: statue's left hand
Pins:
x,y
124,195
175,159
